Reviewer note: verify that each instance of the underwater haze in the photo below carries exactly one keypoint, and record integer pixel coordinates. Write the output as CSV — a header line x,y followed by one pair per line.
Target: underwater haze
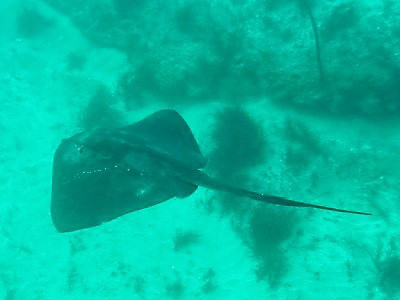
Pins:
x,y
294,98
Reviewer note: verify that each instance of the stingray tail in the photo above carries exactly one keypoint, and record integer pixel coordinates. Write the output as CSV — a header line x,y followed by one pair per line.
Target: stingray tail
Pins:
x,y
202,179
285,202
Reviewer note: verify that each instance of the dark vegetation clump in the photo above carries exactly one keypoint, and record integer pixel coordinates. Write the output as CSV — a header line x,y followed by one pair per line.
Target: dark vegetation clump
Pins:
x,y
75,61
343,17
128,90
175,290
302,146
172,75
202,62
123,269
387,266
126,8
302,4
390,276
232,205
73,277
139,285
240,143
193,19
31,23
76,245
132,85
8,282
234,75
269,229
99,112
273,5
209,283
298,132
189,52
14,243
185,239
378,98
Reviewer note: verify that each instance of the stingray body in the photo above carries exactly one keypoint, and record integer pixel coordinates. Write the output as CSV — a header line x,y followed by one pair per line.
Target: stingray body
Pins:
x,y
106,173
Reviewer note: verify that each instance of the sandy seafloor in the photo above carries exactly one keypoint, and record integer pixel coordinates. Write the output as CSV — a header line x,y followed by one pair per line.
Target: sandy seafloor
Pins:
x,y
39,104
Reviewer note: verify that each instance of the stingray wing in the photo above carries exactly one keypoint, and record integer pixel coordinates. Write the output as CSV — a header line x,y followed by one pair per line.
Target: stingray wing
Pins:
x,y
103,174
167,133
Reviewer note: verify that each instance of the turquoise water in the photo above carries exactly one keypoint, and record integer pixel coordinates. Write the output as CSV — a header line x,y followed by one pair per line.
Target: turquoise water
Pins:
x,y
293,98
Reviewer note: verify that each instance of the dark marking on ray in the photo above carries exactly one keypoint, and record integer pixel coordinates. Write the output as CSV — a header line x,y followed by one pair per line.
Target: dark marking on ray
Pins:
x,y
103,174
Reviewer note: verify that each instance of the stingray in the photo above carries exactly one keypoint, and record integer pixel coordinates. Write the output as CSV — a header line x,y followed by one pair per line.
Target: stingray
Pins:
x,y
102,174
